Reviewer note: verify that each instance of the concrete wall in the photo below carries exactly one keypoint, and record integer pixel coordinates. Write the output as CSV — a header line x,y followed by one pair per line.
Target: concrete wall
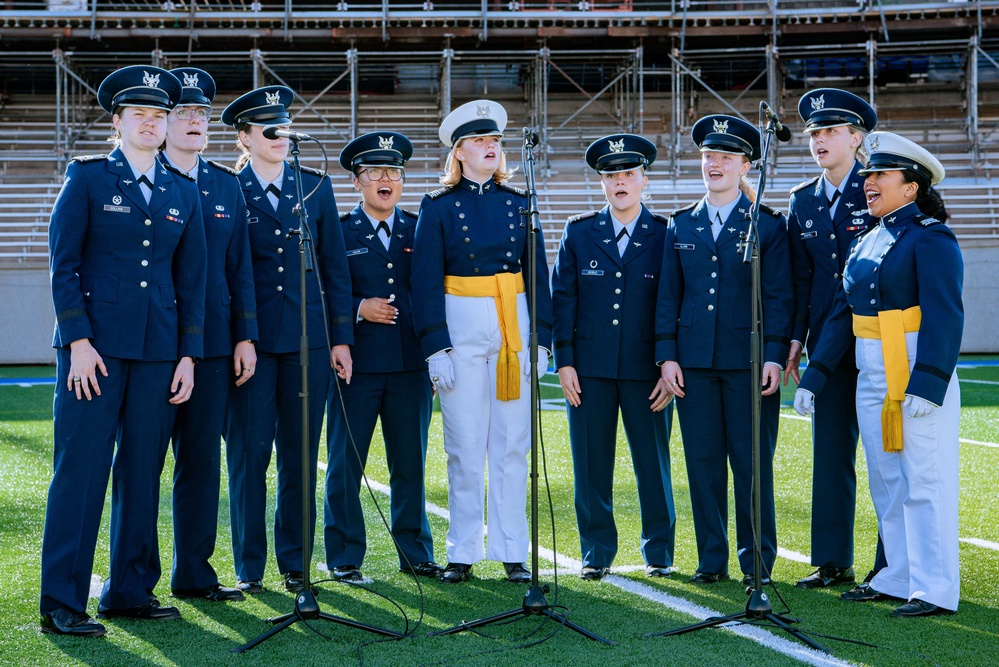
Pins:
x,y
27,316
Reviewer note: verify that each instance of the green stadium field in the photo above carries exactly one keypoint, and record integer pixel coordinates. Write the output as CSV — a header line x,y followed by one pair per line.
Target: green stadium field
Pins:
x,y
623,607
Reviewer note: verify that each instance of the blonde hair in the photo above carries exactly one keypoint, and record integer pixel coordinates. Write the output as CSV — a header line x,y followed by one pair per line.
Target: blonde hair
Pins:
x,y
452,168
746,185
244,156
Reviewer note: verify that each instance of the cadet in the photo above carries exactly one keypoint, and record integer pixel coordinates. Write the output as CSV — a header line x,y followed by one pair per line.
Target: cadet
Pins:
x,y
390,374
266,412
903,283
230,316
604,290
127,253
703,342
825,214
471,314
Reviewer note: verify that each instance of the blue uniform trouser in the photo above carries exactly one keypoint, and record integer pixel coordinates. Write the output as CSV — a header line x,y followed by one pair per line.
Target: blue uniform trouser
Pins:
x,y
132,412
715,421
265,414
593,439
403,401
197,450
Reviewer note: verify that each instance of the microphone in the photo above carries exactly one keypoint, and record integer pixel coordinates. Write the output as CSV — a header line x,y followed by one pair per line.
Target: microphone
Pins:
x,y
783,133
530,138
275,132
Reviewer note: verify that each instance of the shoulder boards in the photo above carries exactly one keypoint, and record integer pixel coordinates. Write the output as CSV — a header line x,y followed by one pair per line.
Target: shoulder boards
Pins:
x,y
658,217
440,193
174,170
582,216
222,167
683,210
89,158
344,217
927,222
414,216
805,184
314,172
772,211
510,188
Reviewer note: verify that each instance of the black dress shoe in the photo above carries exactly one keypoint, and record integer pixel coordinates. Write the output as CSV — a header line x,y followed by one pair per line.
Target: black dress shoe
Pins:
x,y
916,607
517,573
253,587
214,593
593,573
73,623
708,577
870,575
455,573
151,611
658,571
864,593
350,574
750,580
294,581
827,575
425,569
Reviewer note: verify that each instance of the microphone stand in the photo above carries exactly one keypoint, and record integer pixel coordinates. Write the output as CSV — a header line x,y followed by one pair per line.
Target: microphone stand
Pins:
x,y
535,603
306,605
758,607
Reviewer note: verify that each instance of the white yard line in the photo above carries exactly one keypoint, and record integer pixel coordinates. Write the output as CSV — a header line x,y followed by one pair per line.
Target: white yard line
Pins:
x,y
985,544
966,441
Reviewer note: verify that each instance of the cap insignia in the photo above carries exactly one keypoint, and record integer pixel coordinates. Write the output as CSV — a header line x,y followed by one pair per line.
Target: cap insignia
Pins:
x,y
616,146
875,144
273,98
151,80
385,143
819,102
482,111
191,80
721,126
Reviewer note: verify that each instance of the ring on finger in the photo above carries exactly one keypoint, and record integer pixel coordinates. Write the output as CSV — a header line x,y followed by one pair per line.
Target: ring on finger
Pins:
x,y
76,379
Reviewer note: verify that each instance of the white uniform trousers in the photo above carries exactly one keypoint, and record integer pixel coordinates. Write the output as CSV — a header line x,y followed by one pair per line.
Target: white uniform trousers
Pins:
x,y
915,491
478,427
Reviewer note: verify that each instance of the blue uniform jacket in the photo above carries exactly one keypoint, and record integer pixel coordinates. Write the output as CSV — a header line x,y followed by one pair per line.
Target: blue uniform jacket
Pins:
x,y
819,247
604,304
471,229
704,312
276,264
909,259
230,304
377,272
128,275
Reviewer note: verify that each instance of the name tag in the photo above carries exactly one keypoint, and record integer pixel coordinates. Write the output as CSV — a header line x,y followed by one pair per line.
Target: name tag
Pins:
x,y
591,272
356,251
683,246
809,235
252,221
117,209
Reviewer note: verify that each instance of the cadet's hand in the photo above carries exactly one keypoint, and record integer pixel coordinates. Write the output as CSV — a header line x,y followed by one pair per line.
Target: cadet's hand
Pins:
x,y
244,361
84,362
183,381
804,402
570,385
378,310
916,407
341,362
673,377
660,396
441,371
542,362
771,378
793,361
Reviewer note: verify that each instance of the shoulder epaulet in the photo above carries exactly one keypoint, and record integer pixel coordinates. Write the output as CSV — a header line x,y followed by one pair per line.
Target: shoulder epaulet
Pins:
x,y
510,188
222,167
89,158
440,193
414,216
928,222
772,211
805,184
582,216
177,172
682,210
314,172
344,217
659,217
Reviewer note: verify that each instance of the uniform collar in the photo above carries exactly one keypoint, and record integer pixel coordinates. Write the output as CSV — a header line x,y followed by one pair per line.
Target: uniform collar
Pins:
x,y
618,226
900,214
725,210
478,188
374,221
193,172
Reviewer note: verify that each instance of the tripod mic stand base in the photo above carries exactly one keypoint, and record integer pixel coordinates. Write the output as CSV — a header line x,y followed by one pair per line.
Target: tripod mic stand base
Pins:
x,y
535,604
307,609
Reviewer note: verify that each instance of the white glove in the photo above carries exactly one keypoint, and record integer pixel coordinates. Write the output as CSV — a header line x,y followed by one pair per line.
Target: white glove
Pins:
x,y
916,407
441,370
804,402
542,363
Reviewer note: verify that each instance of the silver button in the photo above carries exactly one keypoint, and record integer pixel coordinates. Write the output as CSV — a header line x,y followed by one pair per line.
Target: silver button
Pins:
x,y
391,281
390,265
832,236
148,222
280,250
873,301
86,294
509,202
509,214
835,276
714,258
834,255
509,254
475,270
617,291
457,203
617,306
461,215
711,291
277,232
143,284
872,285
617,275
468,240
280,269
471,256
464,228
145,262
513,239
714,275
146,243
280,288
512,226
710,307
505,267
614,322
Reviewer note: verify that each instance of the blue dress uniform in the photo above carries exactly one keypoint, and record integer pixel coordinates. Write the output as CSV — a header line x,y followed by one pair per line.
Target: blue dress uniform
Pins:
x,y
703,322
819,237
130,276
909,266
604,324
230,316
265,412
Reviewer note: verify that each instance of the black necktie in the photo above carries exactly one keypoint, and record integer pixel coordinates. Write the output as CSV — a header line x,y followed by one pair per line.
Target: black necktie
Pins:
x,y
272,189
832,200
383,227
621,234
144,180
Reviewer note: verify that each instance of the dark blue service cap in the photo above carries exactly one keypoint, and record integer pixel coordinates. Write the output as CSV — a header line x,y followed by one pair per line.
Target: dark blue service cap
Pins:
x,y
139,86
377,149
726,134
263,106
832,107
198,87
620,152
